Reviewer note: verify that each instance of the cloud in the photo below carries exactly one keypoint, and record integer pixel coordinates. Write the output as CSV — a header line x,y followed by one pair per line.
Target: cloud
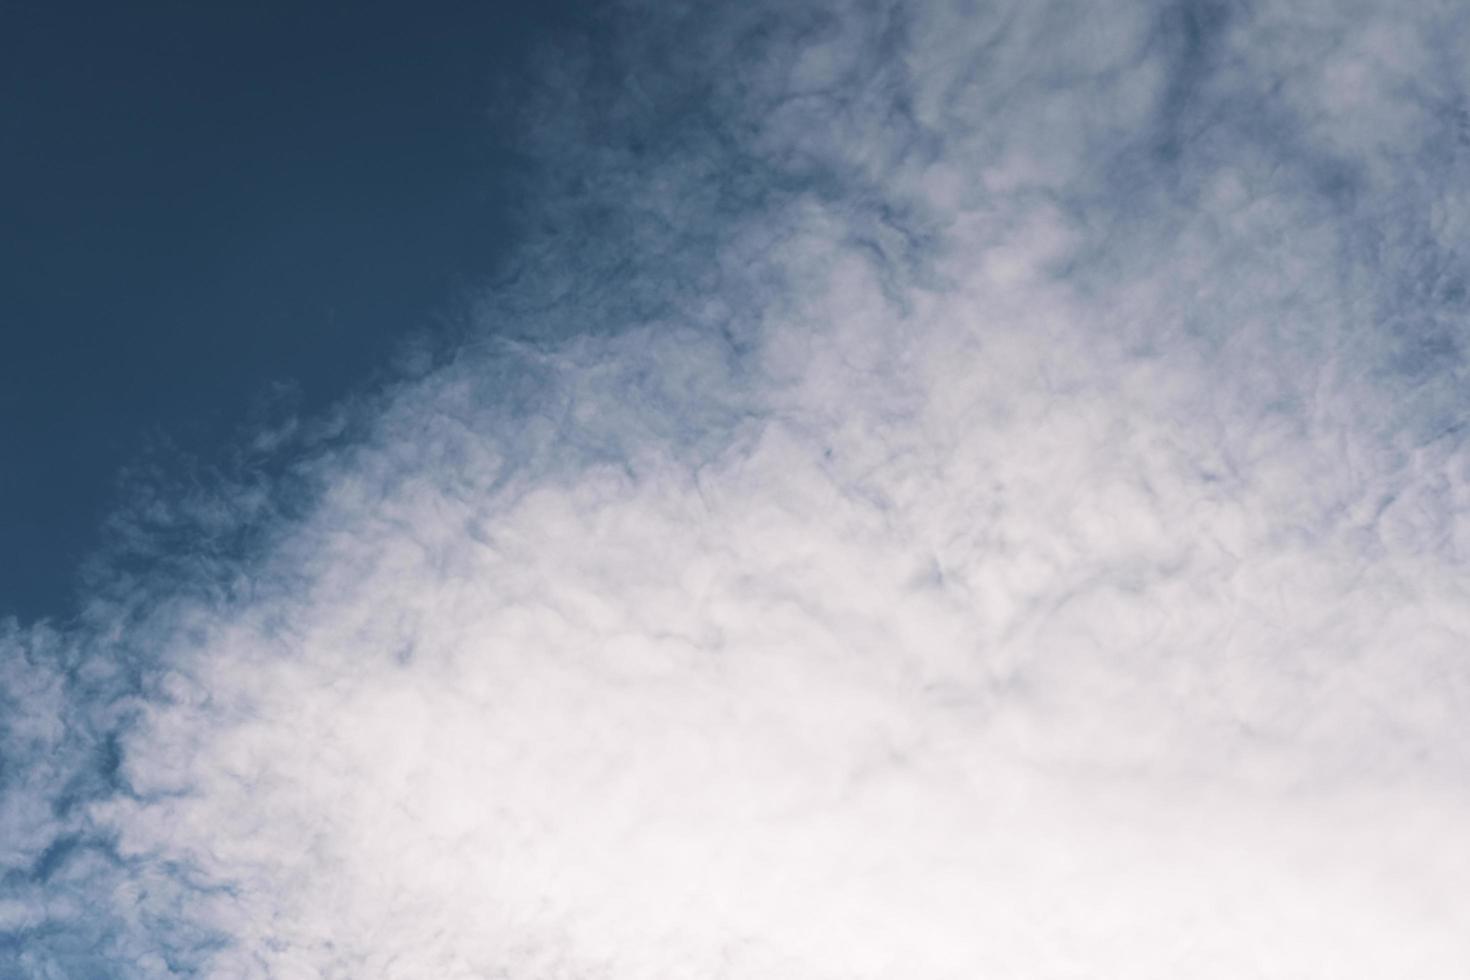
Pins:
x,y
949,490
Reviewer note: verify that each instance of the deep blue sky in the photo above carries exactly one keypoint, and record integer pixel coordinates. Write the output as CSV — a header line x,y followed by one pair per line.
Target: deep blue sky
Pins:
x,y
204,202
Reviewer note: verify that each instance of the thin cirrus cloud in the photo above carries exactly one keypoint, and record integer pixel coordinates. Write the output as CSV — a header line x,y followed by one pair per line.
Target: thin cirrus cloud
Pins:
x,y
953,490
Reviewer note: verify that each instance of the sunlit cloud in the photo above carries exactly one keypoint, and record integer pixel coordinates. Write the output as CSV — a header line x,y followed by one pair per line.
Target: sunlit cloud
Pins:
x,y
950,490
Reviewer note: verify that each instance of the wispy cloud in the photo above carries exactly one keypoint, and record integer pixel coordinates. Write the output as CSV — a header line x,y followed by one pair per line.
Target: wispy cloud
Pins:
x,y
950,490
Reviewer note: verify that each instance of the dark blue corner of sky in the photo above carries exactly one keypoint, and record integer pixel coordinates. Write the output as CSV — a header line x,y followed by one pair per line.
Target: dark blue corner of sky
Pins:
x,y
203,202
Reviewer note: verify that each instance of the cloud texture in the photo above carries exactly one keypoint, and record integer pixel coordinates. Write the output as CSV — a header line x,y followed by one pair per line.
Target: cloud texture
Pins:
x,y
950,490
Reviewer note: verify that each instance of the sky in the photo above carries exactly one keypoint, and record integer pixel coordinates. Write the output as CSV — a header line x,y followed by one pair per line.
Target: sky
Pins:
x,y
220,214
890,488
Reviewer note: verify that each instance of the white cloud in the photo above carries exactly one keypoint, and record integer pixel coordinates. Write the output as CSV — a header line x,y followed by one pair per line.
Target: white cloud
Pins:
x,y
986,502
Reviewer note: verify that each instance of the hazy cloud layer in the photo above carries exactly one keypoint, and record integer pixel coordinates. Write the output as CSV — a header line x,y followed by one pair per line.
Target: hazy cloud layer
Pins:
x,y
951,490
